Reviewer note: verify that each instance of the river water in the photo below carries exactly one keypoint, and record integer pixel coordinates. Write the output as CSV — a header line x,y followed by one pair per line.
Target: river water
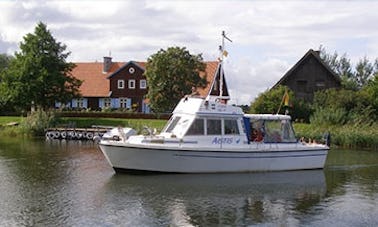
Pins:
x,y
59,183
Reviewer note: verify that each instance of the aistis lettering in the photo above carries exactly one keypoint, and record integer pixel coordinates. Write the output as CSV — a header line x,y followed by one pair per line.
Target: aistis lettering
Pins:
x,y
220,140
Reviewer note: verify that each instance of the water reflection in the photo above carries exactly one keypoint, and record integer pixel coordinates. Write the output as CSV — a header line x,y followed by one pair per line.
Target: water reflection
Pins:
x,y
47,183
222,199
70,184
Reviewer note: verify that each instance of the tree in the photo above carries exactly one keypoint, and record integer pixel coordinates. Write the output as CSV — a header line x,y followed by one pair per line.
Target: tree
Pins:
x,y
270,101
172,73
364,71
350,79
371,91
39,73
4,61
342,106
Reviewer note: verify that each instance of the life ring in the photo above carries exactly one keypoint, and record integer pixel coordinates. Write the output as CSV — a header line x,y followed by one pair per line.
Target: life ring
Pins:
x,y
89,136
63,135
70,134
56,134
78,135
50,135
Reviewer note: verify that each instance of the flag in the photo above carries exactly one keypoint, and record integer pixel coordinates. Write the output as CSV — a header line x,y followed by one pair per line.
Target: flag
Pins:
x,y
286,98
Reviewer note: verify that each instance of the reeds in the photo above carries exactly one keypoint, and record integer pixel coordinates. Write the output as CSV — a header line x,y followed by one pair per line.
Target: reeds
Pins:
x,y
346,136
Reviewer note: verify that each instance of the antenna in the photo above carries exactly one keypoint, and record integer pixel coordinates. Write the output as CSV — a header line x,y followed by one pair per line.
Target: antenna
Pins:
x,y
222,54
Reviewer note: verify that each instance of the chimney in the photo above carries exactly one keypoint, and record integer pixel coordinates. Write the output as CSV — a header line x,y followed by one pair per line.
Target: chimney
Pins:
x,y
107,64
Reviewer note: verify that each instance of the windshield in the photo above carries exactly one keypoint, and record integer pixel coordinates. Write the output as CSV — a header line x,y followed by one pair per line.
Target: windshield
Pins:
x,y
177,125
278,131
171,124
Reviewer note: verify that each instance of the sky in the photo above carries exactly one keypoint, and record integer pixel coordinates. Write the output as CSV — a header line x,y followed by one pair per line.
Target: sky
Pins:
x,y
268,37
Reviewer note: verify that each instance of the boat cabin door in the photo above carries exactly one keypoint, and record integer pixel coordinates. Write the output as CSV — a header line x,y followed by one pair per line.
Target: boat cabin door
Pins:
x,y
226,132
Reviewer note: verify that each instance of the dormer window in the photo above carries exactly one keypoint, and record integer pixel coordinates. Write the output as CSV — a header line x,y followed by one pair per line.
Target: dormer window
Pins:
x,y
131,84
121,84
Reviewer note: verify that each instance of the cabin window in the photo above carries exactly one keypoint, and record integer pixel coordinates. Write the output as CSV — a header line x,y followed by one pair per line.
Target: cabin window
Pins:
x,y
214,127
273,132
143,84
279,131
231,127
107,102
172,124
121,84
287,132
257,130
197,127
131,84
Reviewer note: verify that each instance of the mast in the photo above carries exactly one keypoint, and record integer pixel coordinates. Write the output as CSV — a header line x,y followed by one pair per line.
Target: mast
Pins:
x,y
218,89
222,54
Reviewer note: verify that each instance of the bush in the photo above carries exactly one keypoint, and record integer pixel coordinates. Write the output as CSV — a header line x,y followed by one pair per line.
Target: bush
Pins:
x,y
36,122
329,116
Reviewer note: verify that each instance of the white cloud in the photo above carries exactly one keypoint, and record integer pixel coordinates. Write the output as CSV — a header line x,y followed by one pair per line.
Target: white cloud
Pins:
x,y
246,81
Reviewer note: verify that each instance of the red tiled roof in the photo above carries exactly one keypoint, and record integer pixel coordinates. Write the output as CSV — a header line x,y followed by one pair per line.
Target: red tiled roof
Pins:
x,y
96,84
211,67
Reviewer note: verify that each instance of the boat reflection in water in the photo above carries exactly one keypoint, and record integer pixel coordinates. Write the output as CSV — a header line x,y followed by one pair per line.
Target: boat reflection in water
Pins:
x,y
215,199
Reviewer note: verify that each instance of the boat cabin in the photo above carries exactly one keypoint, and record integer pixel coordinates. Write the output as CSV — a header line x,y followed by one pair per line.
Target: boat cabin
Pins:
x,y
195,116
270,128
218,123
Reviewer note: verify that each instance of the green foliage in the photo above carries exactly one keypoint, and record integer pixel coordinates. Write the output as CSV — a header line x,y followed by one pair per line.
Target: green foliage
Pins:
x,y
8,119
301,110
36,122
4,61
39,73
269,101
329,116
364,70
347,136
371,91
351,79
340,107
171,74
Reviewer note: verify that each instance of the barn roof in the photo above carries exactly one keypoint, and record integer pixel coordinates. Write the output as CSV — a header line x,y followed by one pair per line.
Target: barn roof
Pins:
x,y
310,53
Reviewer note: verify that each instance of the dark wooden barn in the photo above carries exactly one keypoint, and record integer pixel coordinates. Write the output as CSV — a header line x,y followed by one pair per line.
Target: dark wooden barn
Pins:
x,y
309,75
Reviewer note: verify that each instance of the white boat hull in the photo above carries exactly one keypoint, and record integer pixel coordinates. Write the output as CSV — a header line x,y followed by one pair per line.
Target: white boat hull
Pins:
x,y
124,156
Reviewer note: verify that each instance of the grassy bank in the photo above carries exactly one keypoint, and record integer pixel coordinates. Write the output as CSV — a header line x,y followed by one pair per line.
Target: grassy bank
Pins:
x,y
346,136
8,119
138,124
80,122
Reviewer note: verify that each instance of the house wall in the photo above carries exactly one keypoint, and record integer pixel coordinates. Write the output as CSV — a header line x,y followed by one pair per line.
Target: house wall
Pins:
x,y
135,94
133,97
310,77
